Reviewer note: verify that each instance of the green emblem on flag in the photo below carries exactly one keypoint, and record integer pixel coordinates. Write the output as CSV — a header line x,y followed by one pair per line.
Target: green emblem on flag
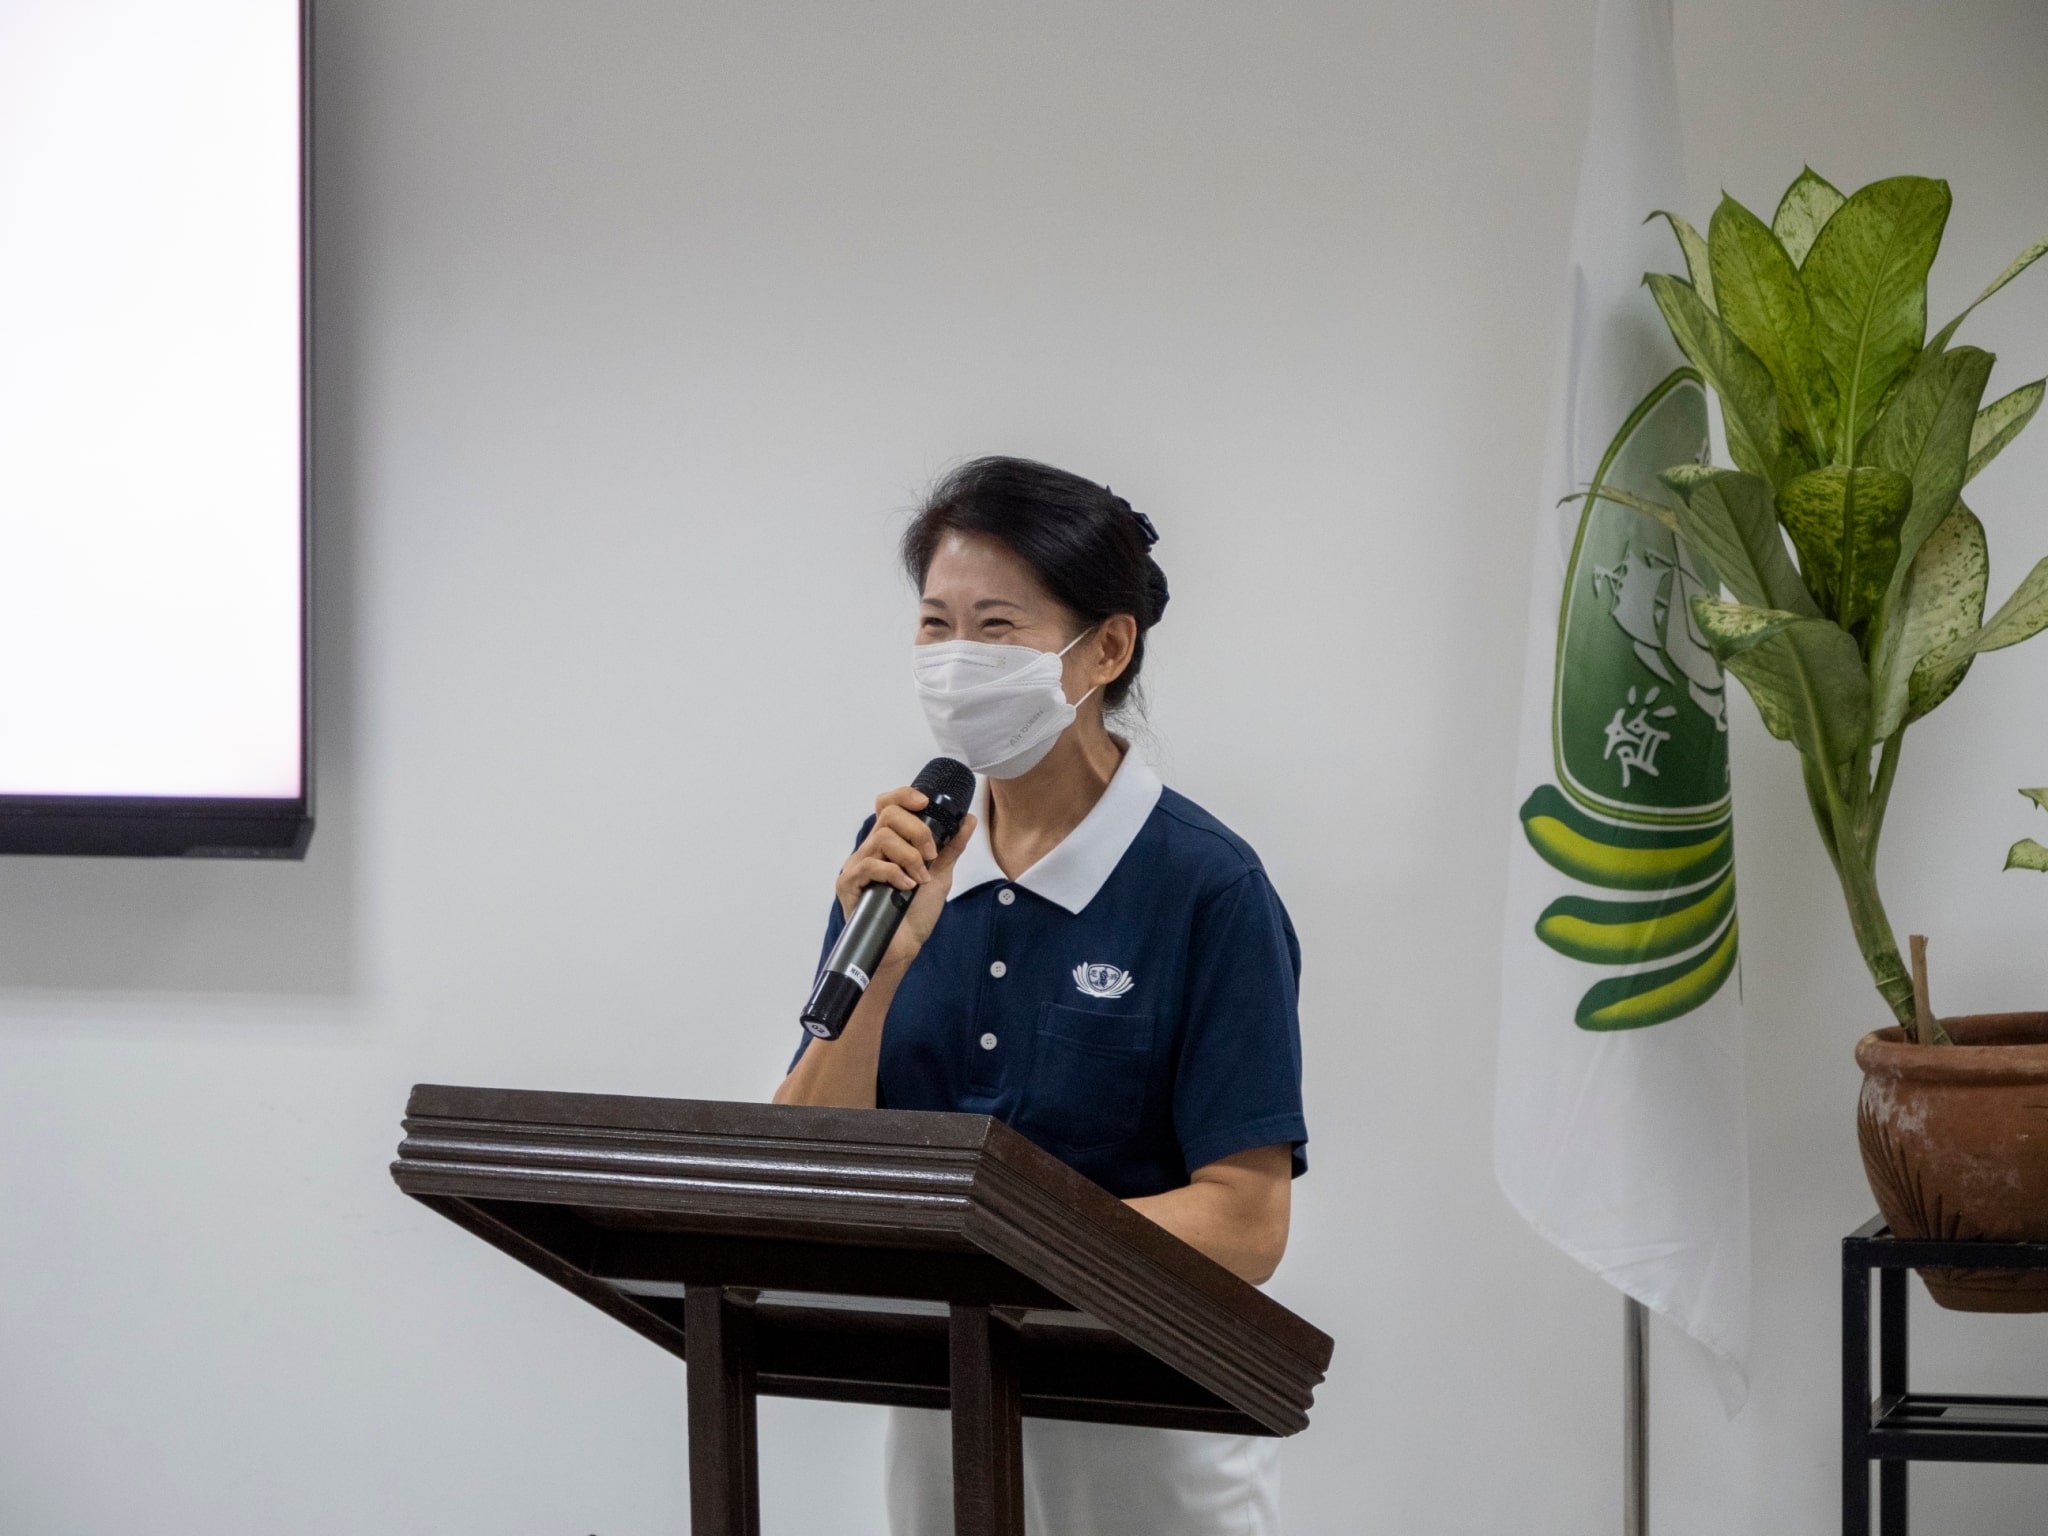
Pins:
x,y
1639,733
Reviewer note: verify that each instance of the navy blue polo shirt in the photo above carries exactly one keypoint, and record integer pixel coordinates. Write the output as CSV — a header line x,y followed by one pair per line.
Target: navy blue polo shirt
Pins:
x,y
1129,1003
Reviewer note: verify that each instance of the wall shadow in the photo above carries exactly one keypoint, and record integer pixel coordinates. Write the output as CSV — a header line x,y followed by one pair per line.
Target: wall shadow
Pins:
x,y
227,926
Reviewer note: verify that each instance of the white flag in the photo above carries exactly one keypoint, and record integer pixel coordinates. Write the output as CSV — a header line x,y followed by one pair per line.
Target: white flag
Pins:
x,y
1618,1125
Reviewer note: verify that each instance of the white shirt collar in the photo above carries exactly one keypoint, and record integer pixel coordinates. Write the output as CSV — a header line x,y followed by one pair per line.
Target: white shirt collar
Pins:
x,y
1086,857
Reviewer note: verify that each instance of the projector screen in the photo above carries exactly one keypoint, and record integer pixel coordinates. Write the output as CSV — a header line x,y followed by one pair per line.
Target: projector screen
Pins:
x,y
153,528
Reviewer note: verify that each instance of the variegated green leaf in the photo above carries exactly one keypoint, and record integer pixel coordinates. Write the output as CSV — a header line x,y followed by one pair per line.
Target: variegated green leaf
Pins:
x,y
1683,477
2027,854
1694,248
1845,524
1805,675
2020,263
1749,400
1925,435
1730,518
1807,205
1926,430
1867,279
2020,617
2038,796
2000,422
1940,601
1759,295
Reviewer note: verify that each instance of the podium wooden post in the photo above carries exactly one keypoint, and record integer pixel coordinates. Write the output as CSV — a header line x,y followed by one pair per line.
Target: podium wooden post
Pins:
x,y
873,1256
718,1332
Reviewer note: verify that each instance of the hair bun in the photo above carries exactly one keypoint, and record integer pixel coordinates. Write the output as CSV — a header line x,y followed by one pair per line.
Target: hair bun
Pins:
x,y
1145,529
1155,587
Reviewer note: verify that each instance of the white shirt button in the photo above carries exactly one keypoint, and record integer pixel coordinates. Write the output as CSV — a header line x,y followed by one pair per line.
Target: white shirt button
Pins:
x,y
1006,896
988,1042
998,970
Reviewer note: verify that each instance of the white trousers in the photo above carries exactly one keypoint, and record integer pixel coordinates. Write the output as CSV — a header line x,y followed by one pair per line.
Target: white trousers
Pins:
x,y
1095,1479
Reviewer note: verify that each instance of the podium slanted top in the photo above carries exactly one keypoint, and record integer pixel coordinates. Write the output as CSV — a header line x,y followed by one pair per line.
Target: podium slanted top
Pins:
x,y
858,1226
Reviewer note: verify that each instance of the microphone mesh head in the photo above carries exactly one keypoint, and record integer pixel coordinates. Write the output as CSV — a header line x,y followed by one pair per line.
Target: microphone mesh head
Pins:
x,y
950,786
945,779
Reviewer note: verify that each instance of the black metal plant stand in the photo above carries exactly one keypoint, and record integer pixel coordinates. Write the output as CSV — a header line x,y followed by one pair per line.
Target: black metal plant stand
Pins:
x,y
1897,1426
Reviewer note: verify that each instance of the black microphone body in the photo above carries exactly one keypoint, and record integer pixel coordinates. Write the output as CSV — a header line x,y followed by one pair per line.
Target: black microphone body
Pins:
x,y
949,790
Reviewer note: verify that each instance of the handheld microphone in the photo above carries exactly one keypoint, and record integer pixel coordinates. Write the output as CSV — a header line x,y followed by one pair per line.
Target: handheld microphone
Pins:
x,y
949,790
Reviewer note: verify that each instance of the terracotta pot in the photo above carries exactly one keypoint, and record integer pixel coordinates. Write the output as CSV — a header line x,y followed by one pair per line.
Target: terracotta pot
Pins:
x,y
1955,1144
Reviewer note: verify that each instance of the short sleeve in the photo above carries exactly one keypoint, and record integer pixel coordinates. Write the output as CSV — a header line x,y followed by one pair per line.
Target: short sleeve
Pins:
x,y
1238,1081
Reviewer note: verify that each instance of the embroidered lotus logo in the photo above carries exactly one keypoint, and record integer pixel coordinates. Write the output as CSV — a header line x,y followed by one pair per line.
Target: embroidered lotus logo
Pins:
x,y
1102,980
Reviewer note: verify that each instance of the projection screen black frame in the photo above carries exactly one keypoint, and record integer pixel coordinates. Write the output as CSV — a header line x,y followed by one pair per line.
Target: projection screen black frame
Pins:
x,y
193,827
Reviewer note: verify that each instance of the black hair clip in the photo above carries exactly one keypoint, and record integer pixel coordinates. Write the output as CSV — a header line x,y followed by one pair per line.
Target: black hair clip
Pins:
x,y
1144,523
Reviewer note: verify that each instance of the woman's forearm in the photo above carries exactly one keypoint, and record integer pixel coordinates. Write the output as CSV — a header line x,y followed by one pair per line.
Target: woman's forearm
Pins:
x,y
842,1072
1235,1210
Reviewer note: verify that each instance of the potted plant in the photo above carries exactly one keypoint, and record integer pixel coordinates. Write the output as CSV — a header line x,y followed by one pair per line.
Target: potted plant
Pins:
x,y
1853,434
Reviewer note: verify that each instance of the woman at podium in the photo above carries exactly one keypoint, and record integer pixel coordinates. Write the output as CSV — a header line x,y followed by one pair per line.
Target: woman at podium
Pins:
x,y
1093,959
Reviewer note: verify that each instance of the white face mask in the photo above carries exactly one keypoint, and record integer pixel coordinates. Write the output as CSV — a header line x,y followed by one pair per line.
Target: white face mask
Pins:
x,y
997,708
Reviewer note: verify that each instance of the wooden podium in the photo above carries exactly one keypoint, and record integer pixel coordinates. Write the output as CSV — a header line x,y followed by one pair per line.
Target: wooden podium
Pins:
x,y
867,1256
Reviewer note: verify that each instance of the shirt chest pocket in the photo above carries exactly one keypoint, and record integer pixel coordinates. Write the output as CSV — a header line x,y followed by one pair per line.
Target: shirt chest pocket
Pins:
x,y
1088,1077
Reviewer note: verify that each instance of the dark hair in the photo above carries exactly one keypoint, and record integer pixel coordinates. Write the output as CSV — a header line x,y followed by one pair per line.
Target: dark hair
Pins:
x,y
1082,540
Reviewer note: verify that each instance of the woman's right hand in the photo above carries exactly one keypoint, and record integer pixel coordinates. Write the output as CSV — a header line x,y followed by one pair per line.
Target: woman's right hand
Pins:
x,y
899,850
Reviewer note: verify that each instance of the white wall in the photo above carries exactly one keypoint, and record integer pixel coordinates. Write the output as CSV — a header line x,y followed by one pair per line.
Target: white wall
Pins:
x,y
639,327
